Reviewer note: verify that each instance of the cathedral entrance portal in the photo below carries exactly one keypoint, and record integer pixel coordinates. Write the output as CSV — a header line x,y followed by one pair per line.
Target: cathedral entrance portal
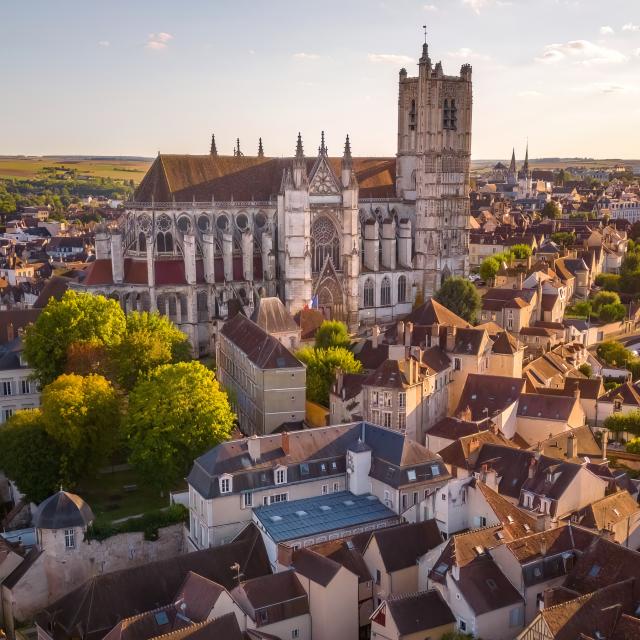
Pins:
x,y
328,293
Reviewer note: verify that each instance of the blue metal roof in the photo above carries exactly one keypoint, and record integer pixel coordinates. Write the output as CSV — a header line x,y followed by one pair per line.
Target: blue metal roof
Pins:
x,y
311,516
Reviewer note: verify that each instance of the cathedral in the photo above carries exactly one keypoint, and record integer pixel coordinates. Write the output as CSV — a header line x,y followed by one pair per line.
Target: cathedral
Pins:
x,y
359,238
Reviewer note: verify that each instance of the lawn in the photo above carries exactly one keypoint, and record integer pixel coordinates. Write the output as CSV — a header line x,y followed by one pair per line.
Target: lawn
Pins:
x,y
31,167
106,495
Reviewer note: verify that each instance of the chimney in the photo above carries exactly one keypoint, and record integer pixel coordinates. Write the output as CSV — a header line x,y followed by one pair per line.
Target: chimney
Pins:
x,y
434,339
400,332
451,338
375,332
576,392
339,380
11,334
605,440
408,334
571,446
284,442
253,446
285,555
543,545
532,468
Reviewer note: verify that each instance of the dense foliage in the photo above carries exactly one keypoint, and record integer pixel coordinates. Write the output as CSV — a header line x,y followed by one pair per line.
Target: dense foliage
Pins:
x,y
322,365
460,296
174,415
332,333
629,422
551,210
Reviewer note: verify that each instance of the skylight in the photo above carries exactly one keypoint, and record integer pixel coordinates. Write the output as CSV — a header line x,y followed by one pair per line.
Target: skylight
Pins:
x,y
276,518
301,514
325,507
348,503
161,617
594,571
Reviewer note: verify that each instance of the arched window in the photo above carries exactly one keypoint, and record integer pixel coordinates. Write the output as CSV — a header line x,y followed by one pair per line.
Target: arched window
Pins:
x,y
164,242
160,246
453,115
325,243
385,292
168,241
142,242
413,180
402,289
445,122
368,294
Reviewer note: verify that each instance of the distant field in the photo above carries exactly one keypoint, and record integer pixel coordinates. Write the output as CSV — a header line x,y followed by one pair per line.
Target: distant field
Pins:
x,y
32,167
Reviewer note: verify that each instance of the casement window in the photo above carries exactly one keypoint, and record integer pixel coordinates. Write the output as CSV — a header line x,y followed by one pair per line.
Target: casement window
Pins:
x,y
69,538
281,476
225,485
247,499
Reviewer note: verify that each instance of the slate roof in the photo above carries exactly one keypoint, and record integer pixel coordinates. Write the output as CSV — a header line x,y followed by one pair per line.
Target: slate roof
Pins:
x,y
627,392
10,355
315,566
470,341
504,343
272,316
483,391
464,451
310,516
400,547
432,312
92,609
371,357
347,553
244,178
419,612
453,428
265,351
546,407
63,510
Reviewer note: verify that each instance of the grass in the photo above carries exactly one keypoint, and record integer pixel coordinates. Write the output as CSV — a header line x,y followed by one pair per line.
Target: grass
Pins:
x,y
108,499
32,167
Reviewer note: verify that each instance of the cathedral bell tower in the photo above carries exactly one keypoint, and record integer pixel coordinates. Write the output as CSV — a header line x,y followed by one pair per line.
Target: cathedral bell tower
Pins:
x,y
434,153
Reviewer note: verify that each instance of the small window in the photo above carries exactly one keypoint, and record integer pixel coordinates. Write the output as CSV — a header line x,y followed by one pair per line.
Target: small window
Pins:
x,y
334,466
323,467
325,489
248,499
378,576
69,539
336,487
281,476
402,400
225,485
295,633
411,475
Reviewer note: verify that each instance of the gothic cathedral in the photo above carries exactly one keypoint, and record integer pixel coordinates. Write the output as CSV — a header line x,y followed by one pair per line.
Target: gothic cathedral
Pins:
x,y
360,238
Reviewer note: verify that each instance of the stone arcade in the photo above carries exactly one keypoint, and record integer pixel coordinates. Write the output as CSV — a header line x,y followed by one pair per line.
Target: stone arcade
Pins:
x,y
358,237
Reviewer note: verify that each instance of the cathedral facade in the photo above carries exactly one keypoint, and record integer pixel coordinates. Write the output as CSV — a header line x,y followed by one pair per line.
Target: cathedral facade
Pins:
x,y
360,238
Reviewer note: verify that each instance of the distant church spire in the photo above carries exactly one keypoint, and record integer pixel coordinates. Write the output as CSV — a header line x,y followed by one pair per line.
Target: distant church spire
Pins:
x,y
512,166
425,46
214,149
322,149
525,166
236,151
299,151
260,149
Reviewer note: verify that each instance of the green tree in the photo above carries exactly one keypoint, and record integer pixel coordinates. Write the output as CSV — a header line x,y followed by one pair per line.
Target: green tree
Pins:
x,y
461,297
633,446
82,414
520,251
321,369
629,422
604,297
564,238
30,456
77,317
614,312
149,341
175,414
489,268
332,333
580,309
608,281
613,353
586,370
551,210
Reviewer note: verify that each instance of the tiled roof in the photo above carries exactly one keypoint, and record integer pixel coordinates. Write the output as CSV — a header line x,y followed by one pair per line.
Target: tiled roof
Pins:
x,y
463,452
557,446
547,407
272,316
627,392
482,391
315,566
514,521
562,539
609,511
265,351
453,428
432,312
418,612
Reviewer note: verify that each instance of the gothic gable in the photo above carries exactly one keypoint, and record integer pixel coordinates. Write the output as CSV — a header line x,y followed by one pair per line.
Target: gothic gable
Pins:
x,y
323,181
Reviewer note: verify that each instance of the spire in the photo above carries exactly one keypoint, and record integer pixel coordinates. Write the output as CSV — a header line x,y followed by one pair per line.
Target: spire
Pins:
x,y
525,166
260,149
425,47
214,149
299,151
237,151
322,149
346,158
512,166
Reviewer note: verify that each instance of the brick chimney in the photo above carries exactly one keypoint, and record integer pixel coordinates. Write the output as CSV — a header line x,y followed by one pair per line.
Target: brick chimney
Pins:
x,y
435,335
572,448
605,440
375,333
451,338
284,442
339,380
253,446
532,467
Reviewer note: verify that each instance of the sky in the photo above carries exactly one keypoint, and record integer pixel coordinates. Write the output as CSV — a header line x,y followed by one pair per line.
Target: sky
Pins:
x,y
134,77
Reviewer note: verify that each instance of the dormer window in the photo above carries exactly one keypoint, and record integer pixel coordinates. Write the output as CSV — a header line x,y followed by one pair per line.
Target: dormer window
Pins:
x,y
281,475
225,484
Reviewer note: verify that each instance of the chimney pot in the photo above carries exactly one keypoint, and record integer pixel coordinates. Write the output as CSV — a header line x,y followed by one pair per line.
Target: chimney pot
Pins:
x,y
253,446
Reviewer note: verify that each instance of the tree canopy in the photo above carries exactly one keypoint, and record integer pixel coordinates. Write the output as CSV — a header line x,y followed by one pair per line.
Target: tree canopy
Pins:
x,y
551,210
82,414
175,414
460,296
489,268
30,456
332,333
520,251
76,318
614,354
321,369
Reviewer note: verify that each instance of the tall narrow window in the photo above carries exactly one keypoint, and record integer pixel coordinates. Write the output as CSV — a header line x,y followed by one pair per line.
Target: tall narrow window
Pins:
x,y
69,539
142,242
385,292
445,122
368,294
453,115
412,116
402,289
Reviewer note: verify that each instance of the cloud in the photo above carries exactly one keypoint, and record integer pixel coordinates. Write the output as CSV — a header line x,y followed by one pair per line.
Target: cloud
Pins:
x,y
104,43
430,7
468,54
391,58
529,94
306,56
476,5
606,88
631,27
158,41
607,31
582,52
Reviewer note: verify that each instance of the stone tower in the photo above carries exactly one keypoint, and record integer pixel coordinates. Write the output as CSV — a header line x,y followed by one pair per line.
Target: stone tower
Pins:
x,y
434,152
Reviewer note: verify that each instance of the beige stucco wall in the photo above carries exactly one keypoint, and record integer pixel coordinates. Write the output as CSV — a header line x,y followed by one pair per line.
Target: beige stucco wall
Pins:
x,y
285,628
534,430
584,489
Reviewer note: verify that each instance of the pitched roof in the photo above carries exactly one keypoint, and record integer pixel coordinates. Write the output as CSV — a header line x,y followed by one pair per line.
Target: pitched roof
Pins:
x,y
552,542
482,391
463,452
504,343
245,178
92,609
609,511
347,553
272,316
265,351
470,341
419,612
627,392
557,446
315,566
514,521
309,321
547,407
452,428
432,312
401,546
